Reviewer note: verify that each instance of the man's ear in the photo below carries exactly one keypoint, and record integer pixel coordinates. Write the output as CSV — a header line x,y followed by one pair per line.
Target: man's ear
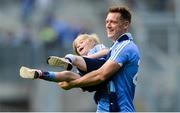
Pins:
x,y
126,24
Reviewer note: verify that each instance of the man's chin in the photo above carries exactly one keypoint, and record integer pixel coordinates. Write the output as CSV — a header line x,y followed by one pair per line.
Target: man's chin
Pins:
x,y
110,36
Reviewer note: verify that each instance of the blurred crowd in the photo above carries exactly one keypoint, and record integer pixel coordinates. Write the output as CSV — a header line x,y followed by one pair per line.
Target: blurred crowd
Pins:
x,y
48,30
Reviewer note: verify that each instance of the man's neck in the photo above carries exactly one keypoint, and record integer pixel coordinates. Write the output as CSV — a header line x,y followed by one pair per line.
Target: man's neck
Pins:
x,y
120,36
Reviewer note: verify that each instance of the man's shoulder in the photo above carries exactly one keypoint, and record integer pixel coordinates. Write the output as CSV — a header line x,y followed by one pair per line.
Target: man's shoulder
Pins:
x,y
121,45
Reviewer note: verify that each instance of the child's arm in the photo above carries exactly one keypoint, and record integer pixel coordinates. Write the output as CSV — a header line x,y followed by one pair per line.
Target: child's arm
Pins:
x,y
100,53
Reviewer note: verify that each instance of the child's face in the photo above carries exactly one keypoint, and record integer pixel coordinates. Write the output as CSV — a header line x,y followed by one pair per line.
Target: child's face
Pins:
x,y
83,46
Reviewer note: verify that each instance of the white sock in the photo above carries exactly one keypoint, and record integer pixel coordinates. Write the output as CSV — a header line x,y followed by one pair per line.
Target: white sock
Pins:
x,y
70,57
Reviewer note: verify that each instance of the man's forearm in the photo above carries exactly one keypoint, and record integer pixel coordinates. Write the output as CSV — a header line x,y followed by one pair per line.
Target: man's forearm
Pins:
x,y
90,79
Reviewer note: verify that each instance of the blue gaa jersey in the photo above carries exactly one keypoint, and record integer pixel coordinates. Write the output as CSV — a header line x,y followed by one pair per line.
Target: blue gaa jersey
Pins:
x,y
126,53
96,48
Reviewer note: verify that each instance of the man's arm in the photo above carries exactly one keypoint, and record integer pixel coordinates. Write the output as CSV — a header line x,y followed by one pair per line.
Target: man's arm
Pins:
x,y
94,77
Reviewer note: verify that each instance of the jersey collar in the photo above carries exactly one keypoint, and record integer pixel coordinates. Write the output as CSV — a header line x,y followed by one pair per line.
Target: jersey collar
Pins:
x,y
125,36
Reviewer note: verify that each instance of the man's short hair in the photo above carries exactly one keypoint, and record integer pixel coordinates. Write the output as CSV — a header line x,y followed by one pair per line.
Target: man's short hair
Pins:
x,y
123,10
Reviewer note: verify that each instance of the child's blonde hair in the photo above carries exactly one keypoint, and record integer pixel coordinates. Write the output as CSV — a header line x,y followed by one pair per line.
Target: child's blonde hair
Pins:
x,y
93,37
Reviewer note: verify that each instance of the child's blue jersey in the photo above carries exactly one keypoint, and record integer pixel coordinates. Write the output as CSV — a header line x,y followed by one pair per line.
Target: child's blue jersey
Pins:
x,y
96,48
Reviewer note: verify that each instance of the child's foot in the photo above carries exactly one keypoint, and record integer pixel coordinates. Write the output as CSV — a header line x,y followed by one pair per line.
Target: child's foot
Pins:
x,y
29,73
61,62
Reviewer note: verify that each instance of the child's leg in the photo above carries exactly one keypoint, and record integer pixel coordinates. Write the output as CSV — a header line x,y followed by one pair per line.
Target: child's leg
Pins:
x,y
77,61
67,62
85,64
49,76
59,76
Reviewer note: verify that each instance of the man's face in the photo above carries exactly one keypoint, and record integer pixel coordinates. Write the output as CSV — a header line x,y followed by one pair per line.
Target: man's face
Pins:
x,y
115,26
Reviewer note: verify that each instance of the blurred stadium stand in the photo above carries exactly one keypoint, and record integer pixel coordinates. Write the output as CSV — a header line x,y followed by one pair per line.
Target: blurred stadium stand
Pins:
x,y
155,26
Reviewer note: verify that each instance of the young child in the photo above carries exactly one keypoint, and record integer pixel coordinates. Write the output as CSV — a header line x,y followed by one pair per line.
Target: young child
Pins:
x,y
84,45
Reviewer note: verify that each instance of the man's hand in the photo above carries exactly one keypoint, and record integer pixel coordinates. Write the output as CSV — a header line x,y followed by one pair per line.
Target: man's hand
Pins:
x,y
65,85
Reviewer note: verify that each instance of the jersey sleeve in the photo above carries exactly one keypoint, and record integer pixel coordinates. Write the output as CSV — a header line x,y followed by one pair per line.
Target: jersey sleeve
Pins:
x,y
120,54
97,48
100,47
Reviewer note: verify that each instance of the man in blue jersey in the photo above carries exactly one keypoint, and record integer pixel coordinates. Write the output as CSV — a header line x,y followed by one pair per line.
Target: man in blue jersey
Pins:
x,y
120,68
